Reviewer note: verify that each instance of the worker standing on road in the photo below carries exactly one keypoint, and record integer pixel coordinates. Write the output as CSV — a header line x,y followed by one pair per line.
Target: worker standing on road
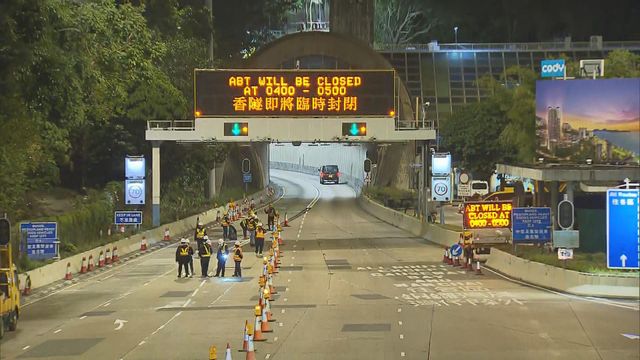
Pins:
x,y
225,226
237,258
251,226
205,256
243,224
182,257
200,234
191,253
271,215
260,233
221,255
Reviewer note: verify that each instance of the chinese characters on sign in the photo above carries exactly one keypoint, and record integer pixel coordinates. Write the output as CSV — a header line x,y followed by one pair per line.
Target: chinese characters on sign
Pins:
x,y
486,215
128,218
294,93
41,239
531,224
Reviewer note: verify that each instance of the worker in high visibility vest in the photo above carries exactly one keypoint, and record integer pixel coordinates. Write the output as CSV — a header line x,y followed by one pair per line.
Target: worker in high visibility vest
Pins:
x,y
183,257
237,259
225,226
260,234
251,227
205,256
199,234
222,254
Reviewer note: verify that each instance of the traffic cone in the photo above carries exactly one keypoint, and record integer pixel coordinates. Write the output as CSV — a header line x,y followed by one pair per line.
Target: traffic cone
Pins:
x,y
470,266
286,220
280,242
91,263
101,259
264,322
456,261
68,275
444,257
269,313
114,254
272,290
449,258
478,270
143,244
257,334
107,257
167,235
251,351
27,286
228,353
83,267
245,336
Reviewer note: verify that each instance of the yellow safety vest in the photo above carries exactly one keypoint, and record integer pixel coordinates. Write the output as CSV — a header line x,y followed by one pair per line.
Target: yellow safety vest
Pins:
x,y
237,254
200,233
207,251
184,251
260,233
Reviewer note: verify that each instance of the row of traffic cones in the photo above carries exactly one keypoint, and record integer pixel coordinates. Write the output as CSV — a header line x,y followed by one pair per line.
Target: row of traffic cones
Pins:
x,y
466,264
107,257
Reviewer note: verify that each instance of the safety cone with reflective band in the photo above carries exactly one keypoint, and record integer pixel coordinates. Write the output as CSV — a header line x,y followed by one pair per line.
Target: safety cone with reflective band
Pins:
x,y
213,353
91,264
27,286
286,220
167,235
449,258
444,257
456,261
143,244
272,289
470,265
478,270
68,275
257,334
264,322
251,351
245,336
107,257
101,259
114,255
270,317
83,267
228,353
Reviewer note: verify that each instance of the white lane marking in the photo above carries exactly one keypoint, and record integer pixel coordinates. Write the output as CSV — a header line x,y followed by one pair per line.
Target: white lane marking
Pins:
x,y
26,347
187,303
402,354
120,324
286,289
145,284
399,309
267,356
631,336
282,311
280,324
106,277
569,296
141,343
195,292
202,283
223,294
275,339
83,317
107,304
400,323
57,331
401,336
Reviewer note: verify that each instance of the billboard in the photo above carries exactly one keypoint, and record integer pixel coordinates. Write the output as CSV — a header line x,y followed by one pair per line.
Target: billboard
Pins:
x,y
487,214
294,93
552,68
588,119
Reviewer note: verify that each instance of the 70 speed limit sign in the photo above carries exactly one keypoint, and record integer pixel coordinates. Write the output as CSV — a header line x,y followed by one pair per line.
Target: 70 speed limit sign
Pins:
x,y
441,188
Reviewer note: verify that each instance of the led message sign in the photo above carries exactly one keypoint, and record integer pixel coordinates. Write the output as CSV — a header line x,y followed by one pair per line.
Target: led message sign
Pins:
x,y
294,93
487,214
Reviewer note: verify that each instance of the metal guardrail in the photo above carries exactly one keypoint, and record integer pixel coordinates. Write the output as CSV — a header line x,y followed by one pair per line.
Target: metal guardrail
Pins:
x,y
536,46
171,125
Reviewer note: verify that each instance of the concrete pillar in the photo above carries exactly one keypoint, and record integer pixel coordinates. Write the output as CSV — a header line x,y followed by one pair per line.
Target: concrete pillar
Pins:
x,y
569,191
554,203
155,183
212,183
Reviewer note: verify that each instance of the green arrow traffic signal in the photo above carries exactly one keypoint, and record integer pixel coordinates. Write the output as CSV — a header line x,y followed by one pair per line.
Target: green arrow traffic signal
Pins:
x,y
354,129
236,129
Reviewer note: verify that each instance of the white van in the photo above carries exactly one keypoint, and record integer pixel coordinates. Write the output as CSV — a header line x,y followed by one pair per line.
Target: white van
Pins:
x,y
479,187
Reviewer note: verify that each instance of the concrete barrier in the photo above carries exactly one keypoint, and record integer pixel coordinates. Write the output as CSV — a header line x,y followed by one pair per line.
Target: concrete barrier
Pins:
x,y
53,272
547,276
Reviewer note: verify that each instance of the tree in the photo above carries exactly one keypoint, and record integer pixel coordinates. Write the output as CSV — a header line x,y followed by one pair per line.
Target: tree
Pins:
x,y
622,63
401,22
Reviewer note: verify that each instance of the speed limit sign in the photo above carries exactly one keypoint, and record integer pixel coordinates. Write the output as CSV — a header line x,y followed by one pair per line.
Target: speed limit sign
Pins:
x,y
441,188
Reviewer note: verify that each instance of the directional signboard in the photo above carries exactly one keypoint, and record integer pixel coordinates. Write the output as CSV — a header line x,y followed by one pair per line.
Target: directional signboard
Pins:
x,y
623,239
41,239
127,218
531,224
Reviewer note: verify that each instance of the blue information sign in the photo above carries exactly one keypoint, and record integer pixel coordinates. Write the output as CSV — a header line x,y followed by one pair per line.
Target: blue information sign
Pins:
x,y
246,178
128,218
41,239
623,238
532,224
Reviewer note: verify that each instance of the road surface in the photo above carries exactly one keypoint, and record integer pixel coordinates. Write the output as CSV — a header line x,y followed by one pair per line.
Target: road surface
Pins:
x,y
351,287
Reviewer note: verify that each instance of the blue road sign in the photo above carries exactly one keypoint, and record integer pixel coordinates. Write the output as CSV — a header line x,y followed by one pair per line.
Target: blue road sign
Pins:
x,y
128,218
247,178
623,237
456,250
532,224
41,239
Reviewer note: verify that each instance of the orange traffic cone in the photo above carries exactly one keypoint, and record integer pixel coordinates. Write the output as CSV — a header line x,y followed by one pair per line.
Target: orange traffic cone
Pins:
x,y
478,271
286,220
91,264
257,334
143,244
264,322
101,259
27,286
114,254
68,275
245,336
251,351
445,256
83,267
107,257
228,353
269,314
167,235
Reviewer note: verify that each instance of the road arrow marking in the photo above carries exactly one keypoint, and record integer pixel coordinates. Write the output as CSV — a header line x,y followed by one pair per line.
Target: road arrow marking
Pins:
x,y
631,336
623,258
120,324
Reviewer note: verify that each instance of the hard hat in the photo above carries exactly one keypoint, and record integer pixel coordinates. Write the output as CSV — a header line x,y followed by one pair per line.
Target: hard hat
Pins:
x,y
208,241
206,237
184,241
220,241
199,223
237,243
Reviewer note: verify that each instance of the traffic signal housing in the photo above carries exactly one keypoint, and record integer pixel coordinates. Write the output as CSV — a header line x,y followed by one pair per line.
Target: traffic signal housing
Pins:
x,y
354,129
236,129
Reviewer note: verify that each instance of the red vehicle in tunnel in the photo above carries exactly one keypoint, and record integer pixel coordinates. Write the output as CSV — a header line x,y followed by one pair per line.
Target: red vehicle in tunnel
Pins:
x,y
329,173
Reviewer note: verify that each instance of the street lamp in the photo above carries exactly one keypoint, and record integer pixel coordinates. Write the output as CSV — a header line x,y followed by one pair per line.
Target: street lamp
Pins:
x,y
455,33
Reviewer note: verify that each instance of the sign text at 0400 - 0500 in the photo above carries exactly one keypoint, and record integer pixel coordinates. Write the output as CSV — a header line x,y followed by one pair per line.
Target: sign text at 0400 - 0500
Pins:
x,y
294,93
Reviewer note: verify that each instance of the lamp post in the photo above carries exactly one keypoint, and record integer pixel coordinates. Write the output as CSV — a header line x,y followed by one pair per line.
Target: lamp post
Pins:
x,y
455,34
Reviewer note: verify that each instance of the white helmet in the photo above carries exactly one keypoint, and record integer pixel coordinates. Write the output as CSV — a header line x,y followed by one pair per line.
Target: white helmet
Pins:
x,y
199,223
259,224
237,243
184,241
220,241
208,241
206,237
